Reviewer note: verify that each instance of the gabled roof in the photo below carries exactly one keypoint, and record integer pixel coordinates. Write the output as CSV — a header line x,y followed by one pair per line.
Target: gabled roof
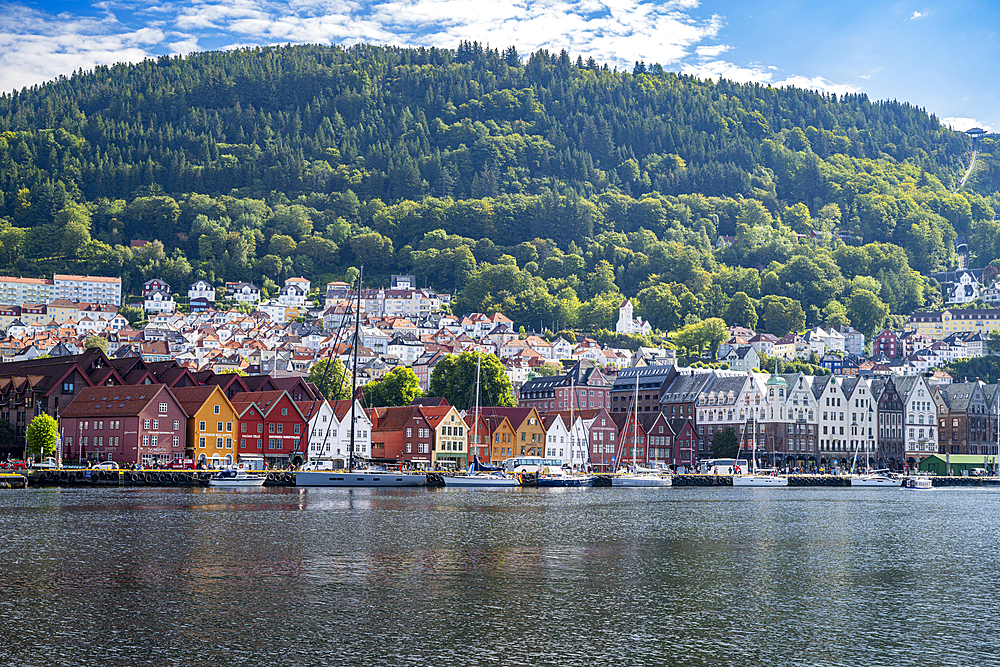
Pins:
x,y
192,398
120,401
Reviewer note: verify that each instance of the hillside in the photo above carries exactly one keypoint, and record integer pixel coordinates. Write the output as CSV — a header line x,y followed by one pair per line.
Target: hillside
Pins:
x,y
546,186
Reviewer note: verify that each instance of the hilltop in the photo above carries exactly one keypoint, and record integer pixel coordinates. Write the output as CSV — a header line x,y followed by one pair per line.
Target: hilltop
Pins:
x,y
545,186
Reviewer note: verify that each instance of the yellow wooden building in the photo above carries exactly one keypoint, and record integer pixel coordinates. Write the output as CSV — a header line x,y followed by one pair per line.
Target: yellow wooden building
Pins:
x,y
212,424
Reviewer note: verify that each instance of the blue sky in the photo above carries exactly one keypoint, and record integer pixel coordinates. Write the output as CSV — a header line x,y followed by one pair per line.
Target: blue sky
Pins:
x,y
935,54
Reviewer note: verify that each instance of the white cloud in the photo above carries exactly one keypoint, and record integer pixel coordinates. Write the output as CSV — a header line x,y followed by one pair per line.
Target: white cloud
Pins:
x,y
722,69
35,46
917,15
712,51
962,124
818,83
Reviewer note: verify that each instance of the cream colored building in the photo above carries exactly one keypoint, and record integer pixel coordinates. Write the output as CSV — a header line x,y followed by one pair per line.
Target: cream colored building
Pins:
x,y
940,325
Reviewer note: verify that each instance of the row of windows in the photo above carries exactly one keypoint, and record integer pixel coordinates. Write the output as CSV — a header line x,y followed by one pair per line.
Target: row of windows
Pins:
x,y
218,443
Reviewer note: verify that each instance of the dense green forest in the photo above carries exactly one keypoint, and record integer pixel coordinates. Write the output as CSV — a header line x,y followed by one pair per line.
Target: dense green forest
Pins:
x,y
544,186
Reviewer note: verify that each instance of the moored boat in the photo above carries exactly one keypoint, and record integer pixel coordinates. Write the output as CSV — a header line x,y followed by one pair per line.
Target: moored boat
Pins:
x,y
637,479
919,482
374,477
236,478
760,479
556,477
877,478
481,480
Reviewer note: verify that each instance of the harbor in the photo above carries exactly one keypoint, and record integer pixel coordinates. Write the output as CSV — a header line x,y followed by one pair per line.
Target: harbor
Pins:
x,y
281,478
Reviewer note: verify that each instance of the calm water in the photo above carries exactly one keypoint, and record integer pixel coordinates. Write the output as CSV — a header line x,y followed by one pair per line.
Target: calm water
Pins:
x,y
523,577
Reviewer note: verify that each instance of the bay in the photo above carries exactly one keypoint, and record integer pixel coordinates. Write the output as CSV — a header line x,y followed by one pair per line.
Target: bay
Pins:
x,y
699,576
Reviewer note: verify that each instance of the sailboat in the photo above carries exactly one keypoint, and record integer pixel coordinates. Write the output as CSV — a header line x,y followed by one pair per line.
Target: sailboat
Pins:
x,y
373,476
636,477
754,478
876,478
476,477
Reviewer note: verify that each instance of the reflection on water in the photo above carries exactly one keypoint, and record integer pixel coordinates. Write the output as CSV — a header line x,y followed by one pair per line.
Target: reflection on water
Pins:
x,y
499,577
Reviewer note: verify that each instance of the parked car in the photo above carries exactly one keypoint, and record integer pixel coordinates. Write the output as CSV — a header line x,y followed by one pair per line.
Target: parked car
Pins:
x,y
47,462
106,465
14,464
181,464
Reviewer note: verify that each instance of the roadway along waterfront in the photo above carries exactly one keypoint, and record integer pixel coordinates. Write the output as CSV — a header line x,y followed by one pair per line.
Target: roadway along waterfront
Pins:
x,y
675,576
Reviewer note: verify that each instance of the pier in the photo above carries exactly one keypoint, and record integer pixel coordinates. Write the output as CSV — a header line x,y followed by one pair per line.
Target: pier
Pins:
x,y
116,478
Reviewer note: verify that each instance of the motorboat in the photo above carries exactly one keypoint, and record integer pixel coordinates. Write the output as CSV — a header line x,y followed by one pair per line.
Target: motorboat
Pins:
x,y
233,477
647,478
760,478
877,478
481,480
919,482
557,477
374,477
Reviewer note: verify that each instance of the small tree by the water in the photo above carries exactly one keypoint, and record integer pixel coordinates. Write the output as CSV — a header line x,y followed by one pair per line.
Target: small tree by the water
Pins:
x,y
725,444
42,437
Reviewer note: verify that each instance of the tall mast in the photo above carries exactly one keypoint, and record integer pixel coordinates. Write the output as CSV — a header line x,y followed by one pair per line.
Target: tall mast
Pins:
x,y
475,421
572,391
354,370
635,414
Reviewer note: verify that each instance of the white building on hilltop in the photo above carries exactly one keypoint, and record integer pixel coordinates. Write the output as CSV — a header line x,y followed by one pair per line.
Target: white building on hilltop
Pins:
x,y
629,324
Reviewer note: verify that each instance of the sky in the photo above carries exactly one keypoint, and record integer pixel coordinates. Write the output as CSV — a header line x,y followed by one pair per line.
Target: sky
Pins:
x,y
935,54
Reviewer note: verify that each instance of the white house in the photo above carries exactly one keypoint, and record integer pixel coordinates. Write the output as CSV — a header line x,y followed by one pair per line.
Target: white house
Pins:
x,y
160,301
919,417
201,289
243,292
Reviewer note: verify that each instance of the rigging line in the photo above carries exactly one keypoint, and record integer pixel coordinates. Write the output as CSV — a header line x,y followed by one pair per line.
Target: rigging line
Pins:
x,y
340,384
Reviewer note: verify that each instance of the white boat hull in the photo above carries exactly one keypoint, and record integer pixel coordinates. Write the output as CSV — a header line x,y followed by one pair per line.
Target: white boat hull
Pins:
x,y
876,481
640,480
359,479
480,481
919,483
759,480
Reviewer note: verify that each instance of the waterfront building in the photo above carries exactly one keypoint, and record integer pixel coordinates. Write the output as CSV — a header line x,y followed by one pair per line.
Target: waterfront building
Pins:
x,y
529,432
450,440
401,434
211,424
685,441
729,400
278,421
920,418
342,434
137,424
963,418
679,399
889,420
556,438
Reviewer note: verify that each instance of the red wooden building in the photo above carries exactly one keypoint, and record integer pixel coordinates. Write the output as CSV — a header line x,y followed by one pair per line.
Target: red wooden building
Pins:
x,y
401,435
140,424
280,429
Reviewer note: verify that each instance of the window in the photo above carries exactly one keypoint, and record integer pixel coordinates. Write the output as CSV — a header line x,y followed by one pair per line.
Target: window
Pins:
x,y
218,443
298,429
229,427
201,426
145,424
270,428
156,424
67,387
216,409
163,407
176,441
218,427
243,443
243,427
260,428
284,412
154,440
229,443
280,427
177,424
145,441
201,443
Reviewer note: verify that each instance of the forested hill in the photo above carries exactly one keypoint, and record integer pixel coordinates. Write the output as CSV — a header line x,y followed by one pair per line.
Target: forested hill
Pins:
x,y
264,163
